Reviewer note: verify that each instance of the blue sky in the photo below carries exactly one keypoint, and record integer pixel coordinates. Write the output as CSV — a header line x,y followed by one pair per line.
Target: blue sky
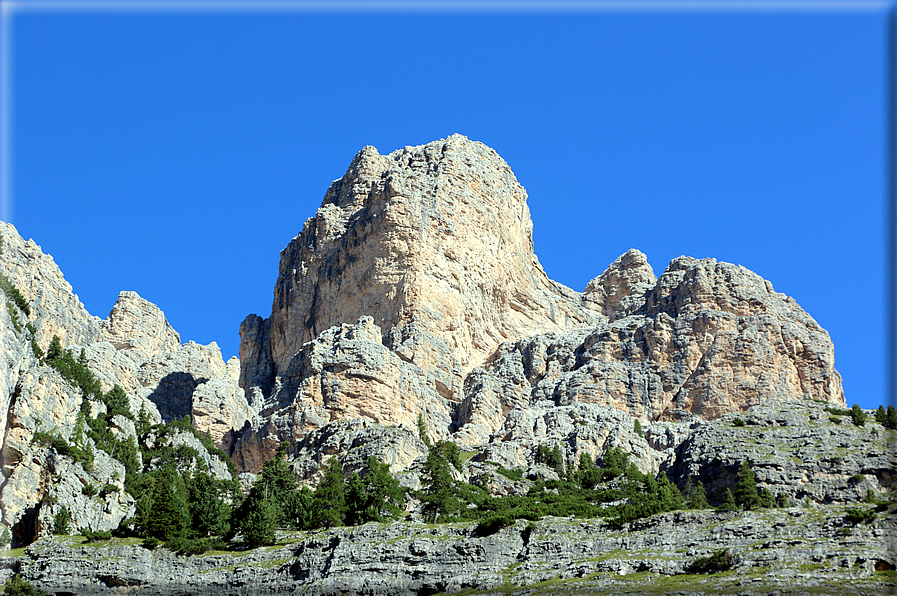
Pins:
x,y
176,152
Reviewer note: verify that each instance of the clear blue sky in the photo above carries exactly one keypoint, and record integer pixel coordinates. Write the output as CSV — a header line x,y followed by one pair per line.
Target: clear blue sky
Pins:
x,y
176,153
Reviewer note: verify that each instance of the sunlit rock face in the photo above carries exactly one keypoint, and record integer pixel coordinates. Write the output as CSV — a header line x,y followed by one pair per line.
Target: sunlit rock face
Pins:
x,y
415,290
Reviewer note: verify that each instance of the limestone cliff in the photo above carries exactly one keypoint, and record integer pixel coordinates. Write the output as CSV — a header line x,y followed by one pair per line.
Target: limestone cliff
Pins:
x,y
415,290
431,239
134,347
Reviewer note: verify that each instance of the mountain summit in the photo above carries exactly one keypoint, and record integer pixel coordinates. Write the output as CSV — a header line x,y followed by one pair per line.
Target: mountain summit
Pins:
x,y
415,290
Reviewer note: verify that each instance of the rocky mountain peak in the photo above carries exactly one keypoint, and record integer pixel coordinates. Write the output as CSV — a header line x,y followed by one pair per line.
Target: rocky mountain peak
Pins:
x,y
433,239
138,323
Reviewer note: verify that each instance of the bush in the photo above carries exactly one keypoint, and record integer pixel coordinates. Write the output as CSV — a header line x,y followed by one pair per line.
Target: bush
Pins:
x,y
96,536
738,422
514,475
720,560
637,428
5,537
857,516
16,586
495,521
89,489
857,415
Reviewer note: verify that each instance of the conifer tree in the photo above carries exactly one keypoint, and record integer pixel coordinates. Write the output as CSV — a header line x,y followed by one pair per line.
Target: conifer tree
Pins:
x,y
745,492
208,511
857,415
556,460
259,518
165,513
728,502
698,497
438,486
376,497
330,497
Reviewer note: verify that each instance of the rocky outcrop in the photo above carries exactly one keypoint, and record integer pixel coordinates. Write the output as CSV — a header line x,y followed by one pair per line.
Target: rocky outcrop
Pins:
x,y
707,339
134,347
773,551
415,290
429,239
55,309
796,449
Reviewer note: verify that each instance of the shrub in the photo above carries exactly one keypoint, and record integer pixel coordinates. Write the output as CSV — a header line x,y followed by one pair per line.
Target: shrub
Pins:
x,y
89,489
5,537
858,515
857,415
720,560
637,428
495,521
96,536
738,422
16,586
514,475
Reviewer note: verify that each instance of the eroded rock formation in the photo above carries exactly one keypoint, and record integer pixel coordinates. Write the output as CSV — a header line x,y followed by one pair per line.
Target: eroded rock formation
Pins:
x,y
415,290
135,348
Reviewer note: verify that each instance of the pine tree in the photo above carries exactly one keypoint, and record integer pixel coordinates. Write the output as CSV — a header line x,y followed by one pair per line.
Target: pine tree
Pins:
x,y
728,502
208,512
698,497
375,497
61,522
330,497
117,403
54,352
745,492
588,475
857,415
438,486
165,512
891,417
259,518
766,499
556,460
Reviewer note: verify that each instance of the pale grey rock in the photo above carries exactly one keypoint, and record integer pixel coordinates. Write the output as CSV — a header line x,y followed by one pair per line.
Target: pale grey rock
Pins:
x,y
773,549
707,339
429,239
354,441
55,309
346,373
795,449
622,286
102,511
135,323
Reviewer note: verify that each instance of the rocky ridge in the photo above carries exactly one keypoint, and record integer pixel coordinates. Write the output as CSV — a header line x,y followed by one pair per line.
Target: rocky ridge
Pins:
x,y
415,291
135,348
772,551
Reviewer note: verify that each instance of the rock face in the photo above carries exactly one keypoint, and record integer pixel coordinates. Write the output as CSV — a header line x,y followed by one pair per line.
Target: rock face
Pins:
x,y
135,348
430,239
796,549
415,290
796,449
